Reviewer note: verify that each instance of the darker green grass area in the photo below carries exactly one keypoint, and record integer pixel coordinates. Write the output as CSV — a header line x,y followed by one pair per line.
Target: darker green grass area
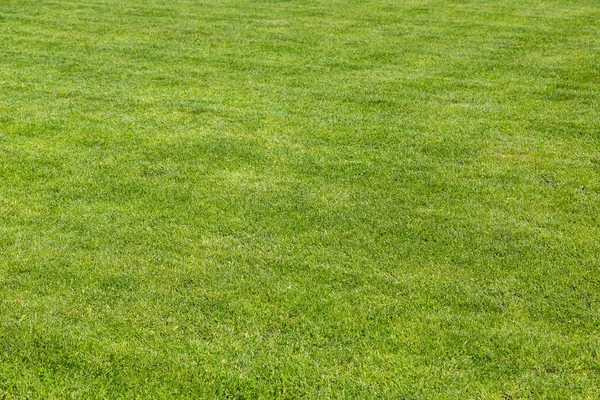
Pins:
x,y
299,199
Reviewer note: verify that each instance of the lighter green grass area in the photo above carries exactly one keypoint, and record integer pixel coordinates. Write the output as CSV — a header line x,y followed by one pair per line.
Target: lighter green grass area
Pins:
x,y
300,199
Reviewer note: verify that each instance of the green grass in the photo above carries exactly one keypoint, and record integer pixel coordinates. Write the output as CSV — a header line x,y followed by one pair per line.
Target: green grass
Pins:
x,y
300,199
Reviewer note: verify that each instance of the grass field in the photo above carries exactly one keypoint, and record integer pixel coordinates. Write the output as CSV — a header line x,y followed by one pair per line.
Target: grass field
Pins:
x,y
300,199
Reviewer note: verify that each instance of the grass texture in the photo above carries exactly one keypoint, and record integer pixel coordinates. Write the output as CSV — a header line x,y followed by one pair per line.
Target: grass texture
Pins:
x,y
300,199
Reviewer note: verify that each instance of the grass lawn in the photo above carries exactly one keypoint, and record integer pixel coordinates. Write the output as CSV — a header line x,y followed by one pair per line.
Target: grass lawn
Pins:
x,y
300,199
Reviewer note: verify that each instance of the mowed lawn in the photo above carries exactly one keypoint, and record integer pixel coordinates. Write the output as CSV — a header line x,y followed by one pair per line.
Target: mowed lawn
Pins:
x,y
300,199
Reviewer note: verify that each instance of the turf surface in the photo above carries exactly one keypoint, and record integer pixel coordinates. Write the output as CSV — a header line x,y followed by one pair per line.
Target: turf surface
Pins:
x,y
299,199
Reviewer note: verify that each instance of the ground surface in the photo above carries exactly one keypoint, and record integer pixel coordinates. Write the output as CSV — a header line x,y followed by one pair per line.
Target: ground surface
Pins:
x,y
300,199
